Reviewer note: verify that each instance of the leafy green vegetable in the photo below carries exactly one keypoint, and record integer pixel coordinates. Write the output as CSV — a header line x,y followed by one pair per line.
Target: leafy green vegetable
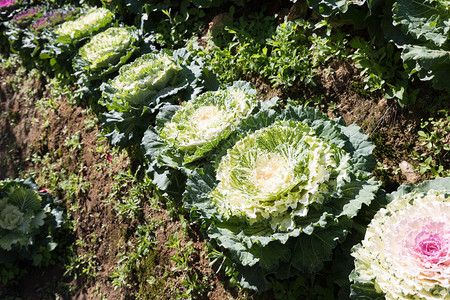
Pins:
x,y
207,119
186,134
16,27
107,50
64,40
142,87
28,220
282,197
406,250
90,22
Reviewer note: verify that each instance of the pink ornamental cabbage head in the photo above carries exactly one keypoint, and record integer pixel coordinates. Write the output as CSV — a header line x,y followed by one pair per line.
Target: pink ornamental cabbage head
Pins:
x,y
24,18
6,5
52,18
406,250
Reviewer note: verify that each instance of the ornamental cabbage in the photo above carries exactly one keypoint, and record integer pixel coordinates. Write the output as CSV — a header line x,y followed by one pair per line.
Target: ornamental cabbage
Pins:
x,y
64,40
23,19
186,134
92,21
106,51
208,118
16,27
28,222
285,193
53,18
406,250
140,81
142,87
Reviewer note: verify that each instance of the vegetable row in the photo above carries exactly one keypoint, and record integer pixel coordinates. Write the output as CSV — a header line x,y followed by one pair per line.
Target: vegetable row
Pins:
x,y
279,190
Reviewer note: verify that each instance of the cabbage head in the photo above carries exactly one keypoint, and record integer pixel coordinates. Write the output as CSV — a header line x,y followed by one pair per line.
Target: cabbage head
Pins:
x,y
28,223
106,51
187,133
64,40
140,82
143,87
89,23
406,250
21,215
283,195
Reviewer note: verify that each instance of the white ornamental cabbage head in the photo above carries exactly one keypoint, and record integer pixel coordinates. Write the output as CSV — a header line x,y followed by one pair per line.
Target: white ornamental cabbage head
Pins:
x,y
207,118
107,47
137,82
284,193
276,172
406,251
20,215
10,216
93,20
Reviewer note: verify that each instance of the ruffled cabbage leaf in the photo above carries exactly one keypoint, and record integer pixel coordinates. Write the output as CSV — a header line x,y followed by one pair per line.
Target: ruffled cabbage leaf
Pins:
x,y
89,23
142,87
28,220
185,134
106,51
284,194
406,250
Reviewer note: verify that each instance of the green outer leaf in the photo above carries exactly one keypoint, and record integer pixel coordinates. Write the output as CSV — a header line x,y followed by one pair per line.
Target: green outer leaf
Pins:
x,y
438,184
25,200
127,128
421,29
423,20
431,64
327,8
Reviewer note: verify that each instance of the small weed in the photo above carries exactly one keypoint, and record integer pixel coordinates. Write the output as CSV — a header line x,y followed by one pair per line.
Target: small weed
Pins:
x,y
434,138
181,257
382,70
136,257
127,194
290,52
73,142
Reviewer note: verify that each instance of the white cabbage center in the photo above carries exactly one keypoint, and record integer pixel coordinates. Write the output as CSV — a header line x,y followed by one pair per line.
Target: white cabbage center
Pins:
x,y
271,172
106,43
206,117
